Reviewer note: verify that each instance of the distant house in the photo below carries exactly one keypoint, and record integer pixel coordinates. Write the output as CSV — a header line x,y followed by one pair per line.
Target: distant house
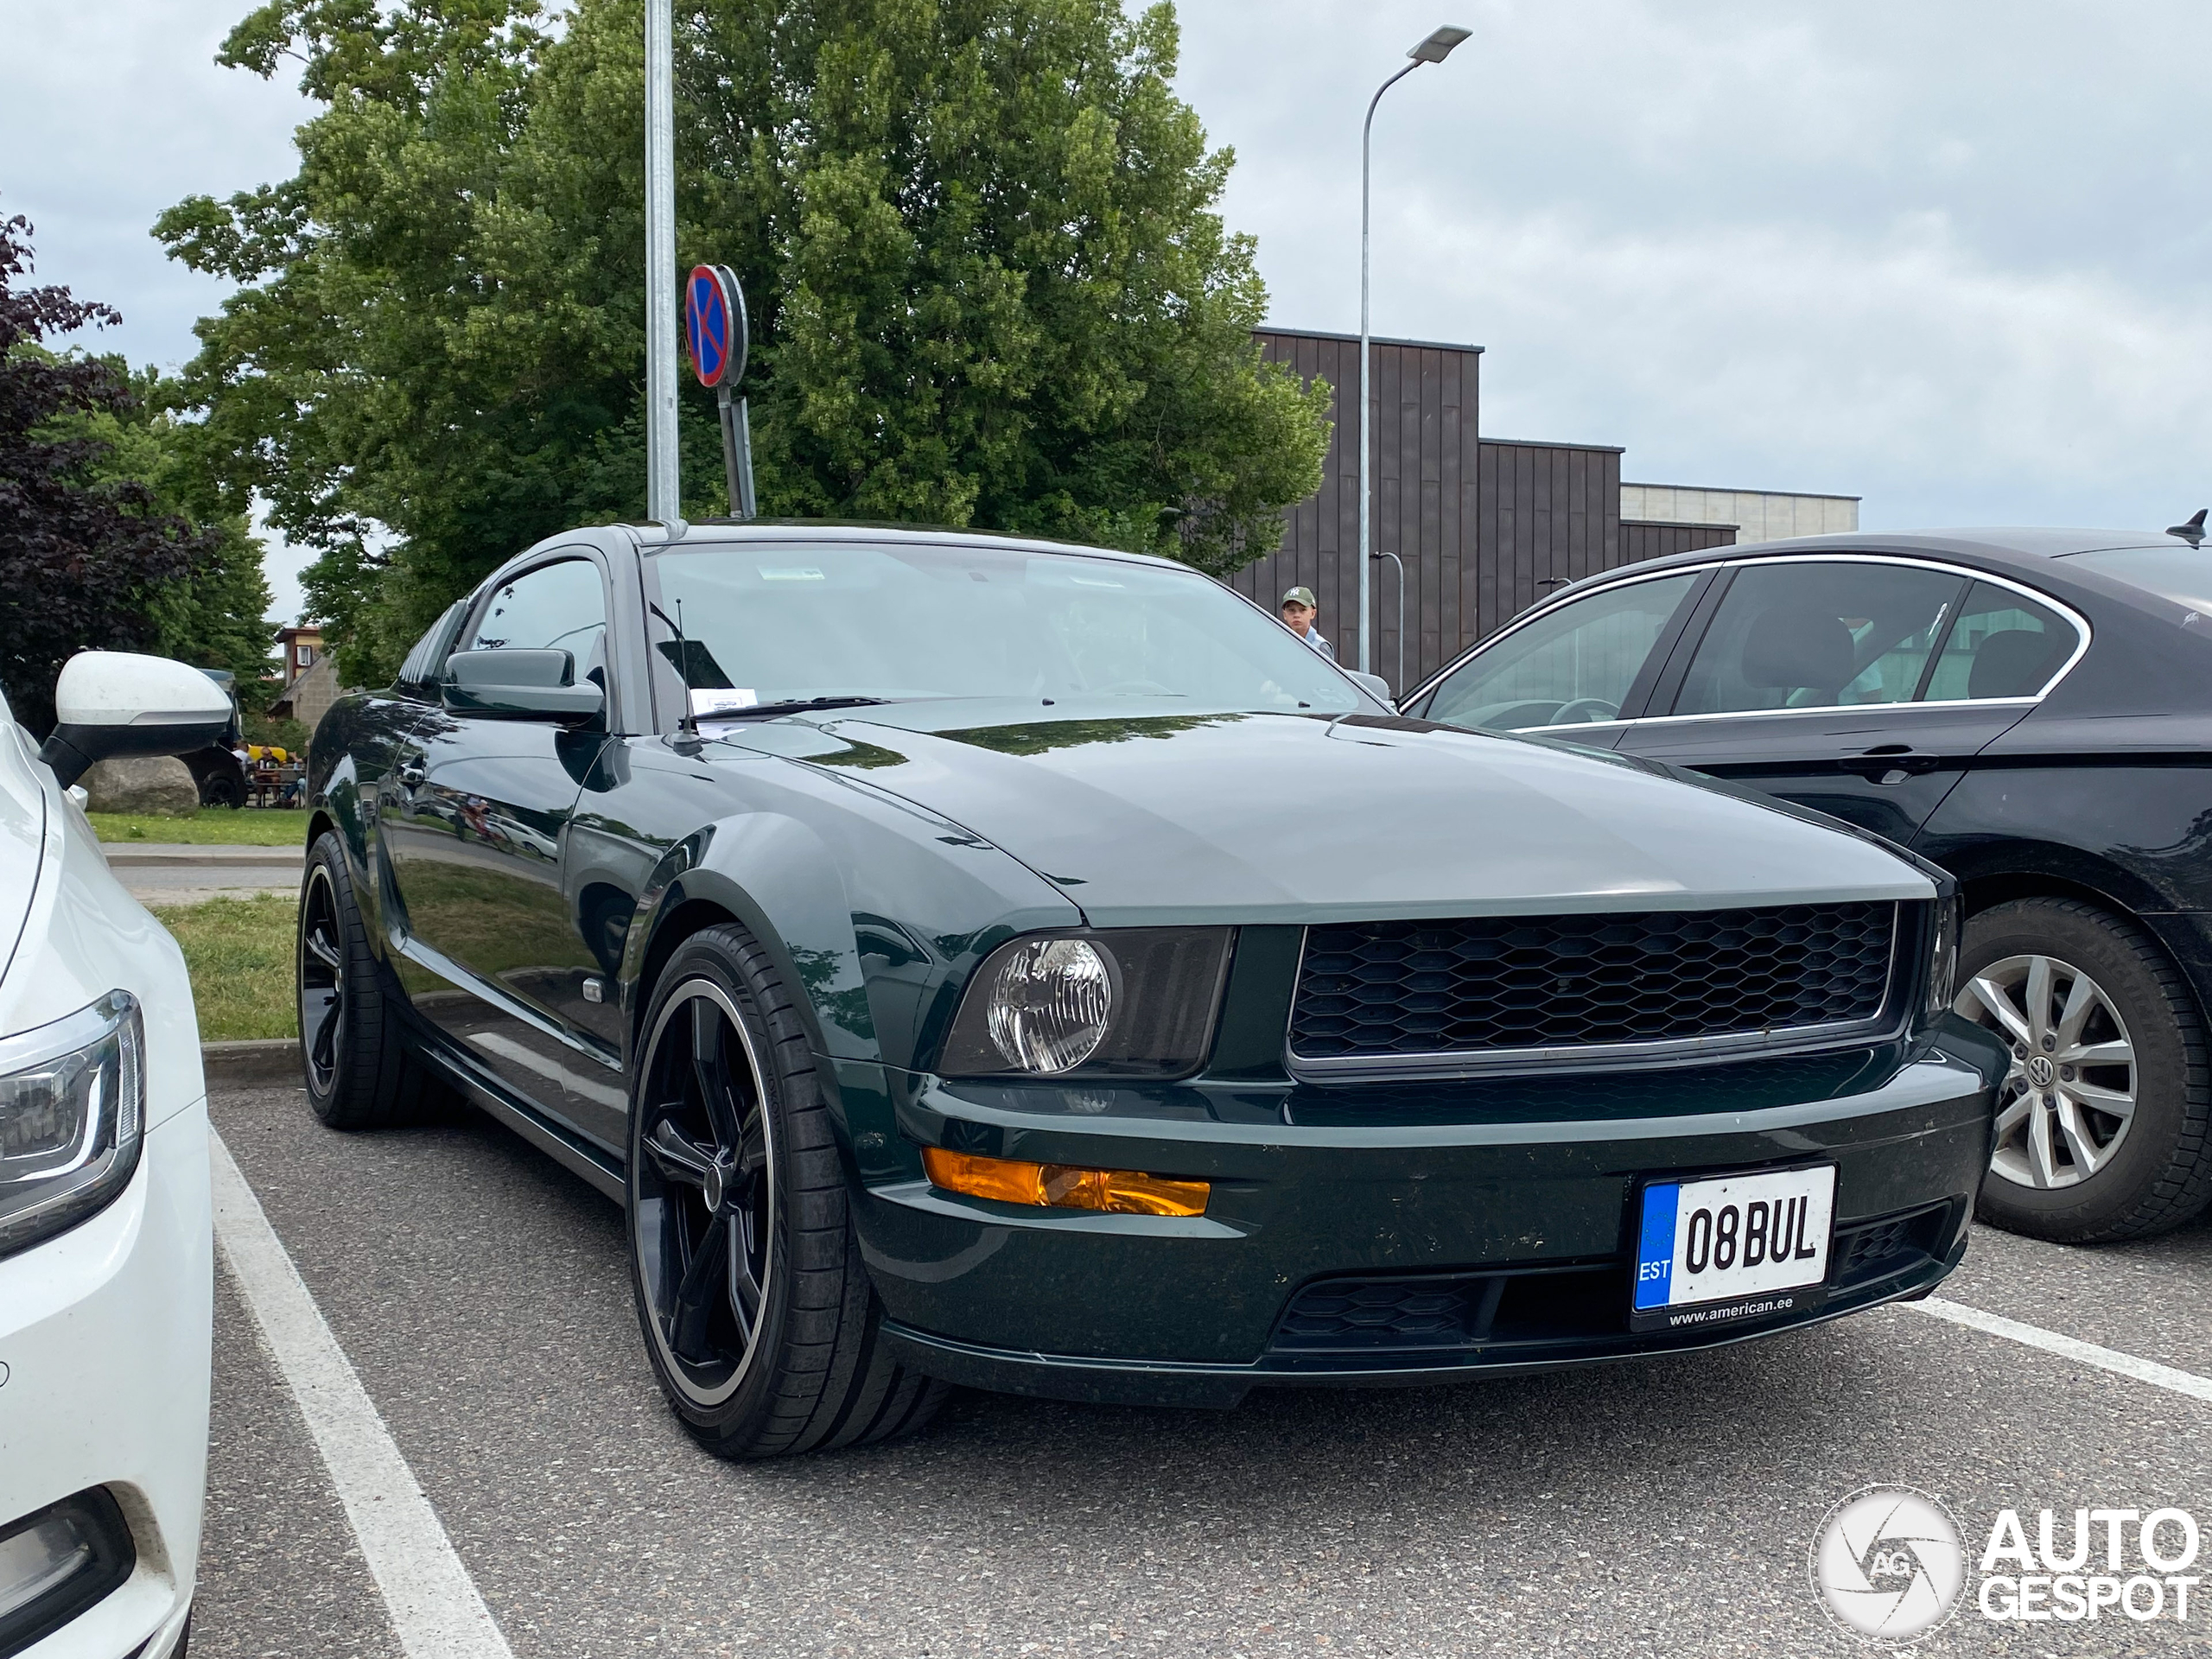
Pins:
x,y
310,676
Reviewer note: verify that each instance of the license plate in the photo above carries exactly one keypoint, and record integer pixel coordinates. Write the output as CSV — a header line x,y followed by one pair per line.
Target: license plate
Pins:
x,y
1733,1248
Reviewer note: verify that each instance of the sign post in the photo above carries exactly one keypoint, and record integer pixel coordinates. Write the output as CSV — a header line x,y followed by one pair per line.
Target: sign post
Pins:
x,y
715,324
663,483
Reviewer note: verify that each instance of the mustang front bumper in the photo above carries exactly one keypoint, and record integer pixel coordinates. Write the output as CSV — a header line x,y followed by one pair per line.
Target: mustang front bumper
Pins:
x,y
1392,1233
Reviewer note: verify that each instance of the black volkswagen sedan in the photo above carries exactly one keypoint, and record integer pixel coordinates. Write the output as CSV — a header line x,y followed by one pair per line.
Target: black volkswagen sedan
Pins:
x,y
2030,710
979,961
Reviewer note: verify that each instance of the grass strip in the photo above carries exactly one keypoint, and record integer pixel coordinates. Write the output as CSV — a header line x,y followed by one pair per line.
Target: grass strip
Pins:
x,y
240,951
215,826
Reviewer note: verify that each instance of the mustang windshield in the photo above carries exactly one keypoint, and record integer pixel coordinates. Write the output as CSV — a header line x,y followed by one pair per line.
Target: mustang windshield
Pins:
x,y
768,625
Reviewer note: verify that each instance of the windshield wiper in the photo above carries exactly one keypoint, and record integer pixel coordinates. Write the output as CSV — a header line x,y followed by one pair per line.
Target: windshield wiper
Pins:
x,y
791,706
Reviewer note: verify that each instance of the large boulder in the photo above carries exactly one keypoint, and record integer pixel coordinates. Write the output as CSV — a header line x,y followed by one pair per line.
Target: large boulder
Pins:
x,y
159,784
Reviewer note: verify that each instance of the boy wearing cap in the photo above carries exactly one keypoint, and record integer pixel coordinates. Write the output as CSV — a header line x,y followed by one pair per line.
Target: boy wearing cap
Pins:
x,y
1297,611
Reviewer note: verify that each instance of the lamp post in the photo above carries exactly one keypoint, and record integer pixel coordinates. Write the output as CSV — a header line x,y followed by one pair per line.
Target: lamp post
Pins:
x,y
663,486
1437,48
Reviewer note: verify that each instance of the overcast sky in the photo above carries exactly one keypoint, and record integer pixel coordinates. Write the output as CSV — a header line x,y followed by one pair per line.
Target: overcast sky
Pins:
x,y
1950,256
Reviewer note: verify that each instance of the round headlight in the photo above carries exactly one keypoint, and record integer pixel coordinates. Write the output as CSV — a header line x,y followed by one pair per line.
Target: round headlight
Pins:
x,y
1050,1002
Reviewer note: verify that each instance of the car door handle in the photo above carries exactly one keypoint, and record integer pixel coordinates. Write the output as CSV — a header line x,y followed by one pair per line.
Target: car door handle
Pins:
x,y
1899,759
411,774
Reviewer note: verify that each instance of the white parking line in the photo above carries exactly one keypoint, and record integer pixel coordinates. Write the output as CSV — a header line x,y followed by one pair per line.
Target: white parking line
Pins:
x,y
435,1609
2084,1353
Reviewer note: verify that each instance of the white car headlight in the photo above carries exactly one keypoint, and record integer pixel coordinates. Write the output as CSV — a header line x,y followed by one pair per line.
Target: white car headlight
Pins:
x,y
73,1108
1129,1002
1050,1001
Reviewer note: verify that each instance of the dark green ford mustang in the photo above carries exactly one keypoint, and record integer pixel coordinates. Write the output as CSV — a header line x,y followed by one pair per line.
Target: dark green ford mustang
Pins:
x,y
984,962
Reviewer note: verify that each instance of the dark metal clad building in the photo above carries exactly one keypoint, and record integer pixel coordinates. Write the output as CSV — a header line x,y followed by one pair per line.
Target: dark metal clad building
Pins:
x,y
1550,514
1644,539
1484,526
1425,498
1425,464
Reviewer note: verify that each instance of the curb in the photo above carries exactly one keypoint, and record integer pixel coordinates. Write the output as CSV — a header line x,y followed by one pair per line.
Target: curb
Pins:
x,y
122,855
250,1064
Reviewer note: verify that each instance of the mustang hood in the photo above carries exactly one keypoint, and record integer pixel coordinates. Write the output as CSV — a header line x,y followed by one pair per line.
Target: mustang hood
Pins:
x,y
1292,818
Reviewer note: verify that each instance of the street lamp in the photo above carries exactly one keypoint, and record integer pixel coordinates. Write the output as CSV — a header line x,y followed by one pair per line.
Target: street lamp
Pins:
x,y
1437,48
663,483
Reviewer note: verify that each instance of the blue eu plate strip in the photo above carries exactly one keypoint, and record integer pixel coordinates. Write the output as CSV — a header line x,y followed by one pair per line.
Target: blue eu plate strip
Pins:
x,y
1655,1255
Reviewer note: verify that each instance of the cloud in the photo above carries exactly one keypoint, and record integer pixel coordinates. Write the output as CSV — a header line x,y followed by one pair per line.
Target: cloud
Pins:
x,y
1950,259
1953,258
115,110
1759,355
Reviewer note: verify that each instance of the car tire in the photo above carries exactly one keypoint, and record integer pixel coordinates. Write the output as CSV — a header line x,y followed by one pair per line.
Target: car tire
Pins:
x,y
219,789
757,1312
358,1071
2061,979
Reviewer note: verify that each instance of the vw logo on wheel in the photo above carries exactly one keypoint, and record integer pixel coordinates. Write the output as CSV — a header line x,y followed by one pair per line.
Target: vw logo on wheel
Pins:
x,y
1888,1563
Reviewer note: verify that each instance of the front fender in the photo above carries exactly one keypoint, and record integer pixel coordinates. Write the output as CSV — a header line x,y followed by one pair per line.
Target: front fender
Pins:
x,y
353,746
776,877
873,912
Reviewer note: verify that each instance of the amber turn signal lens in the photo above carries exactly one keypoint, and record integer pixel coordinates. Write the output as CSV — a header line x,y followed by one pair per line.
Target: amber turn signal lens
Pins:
x,y
1063,1186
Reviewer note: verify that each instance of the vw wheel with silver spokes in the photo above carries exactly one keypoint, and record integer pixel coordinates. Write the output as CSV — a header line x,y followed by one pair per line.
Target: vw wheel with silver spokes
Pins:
x,y
2104,1119
2065,1106
757,1312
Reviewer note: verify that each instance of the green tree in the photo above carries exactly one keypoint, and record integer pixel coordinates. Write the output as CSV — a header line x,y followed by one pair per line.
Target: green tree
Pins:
x,y
108,533
988,285
215,615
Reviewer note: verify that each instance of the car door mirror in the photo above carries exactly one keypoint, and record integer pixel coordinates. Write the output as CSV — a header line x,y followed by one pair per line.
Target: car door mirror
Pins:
x,y
1374,686
119,702
520,685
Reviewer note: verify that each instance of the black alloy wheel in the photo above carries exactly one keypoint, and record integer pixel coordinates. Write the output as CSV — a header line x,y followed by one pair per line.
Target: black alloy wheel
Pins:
x,y
322,980
758,1313
705,1192
358,1071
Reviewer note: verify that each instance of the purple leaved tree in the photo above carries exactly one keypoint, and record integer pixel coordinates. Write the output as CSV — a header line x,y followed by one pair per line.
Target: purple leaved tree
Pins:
x,y
78,553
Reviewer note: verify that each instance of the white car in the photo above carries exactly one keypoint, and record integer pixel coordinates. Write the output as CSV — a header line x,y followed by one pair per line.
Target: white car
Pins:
x,y
106,1252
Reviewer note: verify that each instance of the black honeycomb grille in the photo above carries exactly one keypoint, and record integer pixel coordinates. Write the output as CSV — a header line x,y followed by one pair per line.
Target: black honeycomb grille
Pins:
x,y
1381,988
1380,1313
1881,1249
1516,1305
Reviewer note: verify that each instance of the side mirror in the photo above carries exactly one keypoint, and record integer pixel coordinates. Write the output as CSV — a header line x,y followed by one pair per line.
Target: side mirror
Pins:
x,y
115,703
520,685
1374,686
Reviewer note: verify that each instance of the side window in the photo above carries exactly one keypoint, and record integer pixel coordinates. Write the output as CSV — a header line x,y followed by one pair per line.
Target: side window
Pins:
x,y
419,673
2004,645
555,607
1567,669
1818,635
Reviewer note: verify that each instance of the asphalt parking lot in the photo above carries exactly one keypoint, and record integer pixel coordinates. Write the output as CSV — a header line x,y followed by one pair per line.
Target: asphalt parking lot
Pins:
x,y
1660,1507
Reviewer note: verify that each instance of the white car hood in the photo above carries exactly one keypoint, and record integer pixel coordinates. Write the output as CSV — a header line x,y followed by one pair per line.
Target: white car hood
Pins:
x,y
22,837
69,932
